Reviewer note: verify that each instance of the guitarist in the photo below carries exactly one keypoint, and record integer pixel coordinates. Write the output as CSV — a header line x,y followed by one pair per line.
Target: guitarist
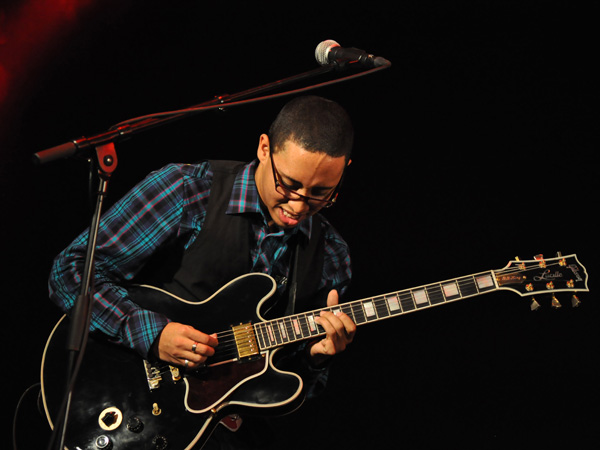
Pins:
x,y
191,228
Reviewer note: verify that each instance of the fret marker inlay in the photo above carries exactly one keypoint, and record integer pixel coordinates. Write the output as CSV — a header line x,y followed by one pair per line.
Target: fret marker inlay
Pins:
x,y
484,282
450,290
420,296
393,303
369,309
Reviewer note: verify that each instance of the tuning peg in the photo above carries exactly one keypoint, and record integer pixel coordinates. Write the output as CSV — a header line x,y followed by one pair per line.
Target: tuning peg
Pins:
x,y
555,303
562,261
575,302
534,304
540,259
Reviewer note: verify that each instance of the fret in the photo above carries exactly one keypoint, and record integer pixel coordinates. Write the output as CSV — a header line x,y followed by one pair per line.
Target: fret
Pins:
x,y
282,330
335,310
407,301
312,325
270,334
259,327
358,312
289,329
467,287
347,309
261,335
276,332
302,326
435,294
295,324
381,307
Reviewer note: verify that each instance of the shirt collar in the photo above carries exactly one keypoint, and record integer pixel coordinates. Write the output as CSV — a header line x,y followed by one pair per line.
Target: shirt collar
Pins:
x,y
245,199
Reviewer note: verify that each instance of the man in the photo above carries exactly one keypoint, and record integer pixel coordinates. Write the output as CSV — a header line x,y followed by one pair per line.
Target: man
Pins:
x,y
191,228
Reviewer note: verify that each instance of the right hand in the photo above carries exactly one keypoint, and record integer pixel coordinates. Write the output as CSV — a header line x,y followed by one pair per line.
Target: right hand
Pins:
x,y
179,343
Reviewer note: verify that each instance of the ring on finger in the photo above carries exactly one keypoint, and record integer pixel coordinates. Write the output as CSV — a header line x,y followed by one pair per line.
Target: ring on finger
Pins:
x,y
186,363
194,347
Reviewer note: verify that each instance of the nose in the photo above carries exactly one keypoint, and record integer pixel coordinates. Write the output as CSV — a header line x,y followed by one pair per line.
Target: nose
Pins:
x,y
299,206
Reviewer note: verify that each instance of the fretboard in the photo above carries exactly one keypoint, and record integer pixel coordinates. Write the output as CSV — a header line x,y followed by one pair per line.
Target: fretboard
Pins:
x,y
277,332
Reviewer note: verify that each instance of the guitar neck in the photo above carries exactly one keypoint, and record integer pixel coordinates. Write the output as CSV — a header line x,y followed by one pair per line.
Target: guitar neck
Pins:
x,y
303,326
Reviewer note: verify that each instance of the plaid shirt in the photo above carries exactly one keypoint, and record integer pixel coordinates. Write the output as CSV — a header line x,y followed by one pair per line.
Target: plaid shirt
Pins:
x,y
171,202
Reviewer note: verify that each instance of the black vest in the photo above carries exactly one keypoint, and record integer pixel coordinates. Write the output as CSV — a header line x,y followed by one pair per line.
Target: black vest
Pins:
x,y
221,251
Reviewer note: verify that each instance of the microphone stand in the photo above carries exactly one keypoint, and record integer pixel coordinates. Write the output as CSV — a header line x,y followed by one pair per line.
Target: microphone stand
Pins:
x,y
106,160
119,132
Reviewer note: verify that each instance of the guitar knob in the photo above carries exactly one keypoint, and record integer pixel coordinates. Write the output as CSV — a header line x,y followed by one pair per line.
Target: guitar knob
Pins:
x,y
555,303
103,442
575,302
160,442
135,425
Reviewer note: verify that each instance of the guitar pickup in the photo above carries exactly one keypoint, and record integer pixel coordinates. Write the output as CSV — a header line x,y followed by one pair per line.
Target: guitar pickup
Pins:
x,y
245,340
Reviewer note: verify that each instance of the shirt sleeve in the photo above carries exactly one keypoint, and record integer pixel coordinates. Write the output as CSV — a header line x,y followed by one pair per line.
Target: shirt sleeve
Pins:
x,y
152,213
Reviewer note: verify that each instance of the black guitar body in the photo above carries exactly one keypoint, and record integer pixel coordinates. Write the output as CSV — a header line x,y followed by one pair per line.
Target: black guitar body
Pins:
x,y
114,401
112,398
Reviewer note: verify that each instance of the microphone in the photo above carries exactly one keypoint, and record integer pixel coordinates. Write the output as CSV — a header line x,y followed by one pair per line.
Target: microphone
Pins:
x,y
330,52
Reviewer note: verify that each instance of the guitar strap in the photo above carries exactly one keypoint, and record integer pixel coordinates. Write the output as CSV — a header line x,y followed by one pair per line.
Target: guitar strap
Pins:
x,y
293,284
306,270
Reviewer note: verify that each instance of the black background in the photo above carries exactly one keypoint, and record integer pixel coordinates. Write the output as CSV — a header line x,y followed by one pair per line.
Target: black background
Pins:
x,y
478,145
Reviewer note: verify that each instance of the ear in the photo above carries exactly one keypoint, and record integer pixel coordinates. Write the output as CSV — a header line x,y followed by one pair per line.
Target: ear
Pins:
x,y
264,148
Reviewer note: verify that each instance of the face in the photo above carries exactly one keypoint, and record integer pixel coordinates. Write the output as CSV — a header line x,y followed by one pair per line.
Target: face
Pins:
x,y
312,174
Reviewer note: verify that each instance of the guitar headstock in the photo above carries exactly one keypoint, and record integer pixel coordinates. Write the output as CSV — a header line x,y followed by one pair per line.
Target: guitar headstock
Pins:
x,y
544,276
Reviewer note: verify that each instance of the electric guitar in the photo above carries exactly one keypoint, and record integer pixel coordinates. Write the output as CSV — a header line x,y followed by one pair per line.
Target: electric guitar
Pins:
x,y
121,401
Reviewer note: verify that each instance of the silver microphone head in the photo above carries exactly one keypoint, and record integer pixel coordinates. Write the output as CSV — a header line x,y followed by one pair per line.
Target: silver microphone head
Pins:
x,y
323,50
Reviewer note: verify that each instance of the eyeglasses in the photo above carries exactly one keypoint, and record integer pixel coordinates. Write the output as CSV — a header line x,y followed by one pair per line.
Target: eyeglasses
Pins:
x,y
325,201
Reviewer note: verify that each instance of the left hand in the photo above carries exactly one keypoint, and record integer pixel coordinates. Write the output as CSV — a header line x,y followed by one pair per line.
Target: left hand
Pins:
x,y
339,329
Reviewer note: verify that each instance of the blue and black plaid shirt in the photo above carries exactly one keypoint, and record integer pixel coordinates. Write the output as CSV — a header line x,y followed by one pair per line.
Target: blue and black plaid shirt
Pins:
x,y
171,202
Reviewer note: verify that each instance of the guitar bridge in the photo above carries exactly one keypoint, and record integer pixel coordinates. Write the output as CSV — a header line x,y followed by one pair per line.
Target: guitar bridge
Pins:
x,y
245,340
154,374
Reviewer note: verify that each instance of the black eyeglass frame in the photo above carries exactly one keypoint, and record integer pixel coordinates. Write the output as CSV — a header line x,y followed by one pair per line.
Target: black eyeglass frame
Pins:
x,y
282,189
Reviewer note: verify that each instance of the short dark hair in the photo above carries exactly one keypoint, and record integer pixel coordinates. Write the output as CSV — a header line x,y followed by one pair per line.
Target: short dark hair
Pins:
x,y
316,124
